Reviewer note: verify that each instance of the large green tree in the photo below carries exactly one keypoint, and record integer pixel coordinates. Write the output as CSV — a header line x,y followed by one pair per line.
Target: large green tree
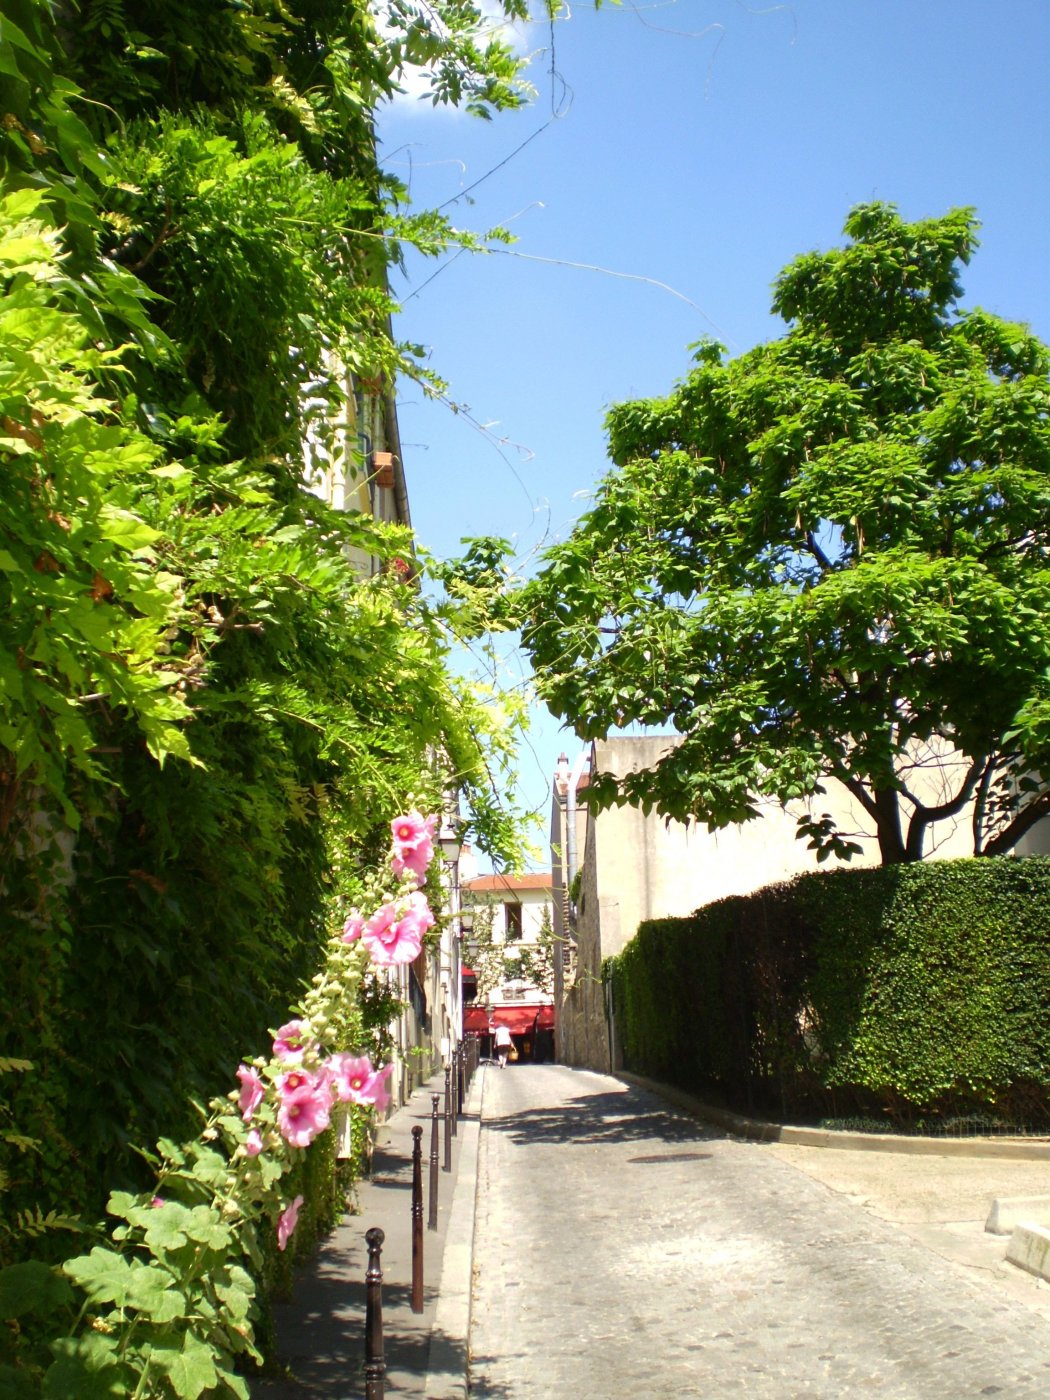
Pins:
x,y
827,559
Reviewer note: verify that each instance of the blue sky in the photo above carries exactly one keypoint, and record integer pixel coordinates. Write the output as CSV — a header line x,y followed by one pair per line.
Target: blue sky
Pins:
x,y
699,145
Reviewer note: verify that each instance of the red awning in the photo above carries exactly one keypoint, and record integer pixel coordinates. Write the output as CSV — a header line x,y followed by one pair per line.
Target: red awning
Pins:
x,y
468,972
476,1019
519,1018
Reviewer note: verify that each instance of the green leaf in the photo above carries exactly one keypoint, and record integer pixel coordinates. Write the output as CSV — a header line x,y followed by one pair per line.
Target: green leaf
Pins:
x,y
103,1275
165,1229
31,1287
16,1385
205,1226
191,1371
151,1291
87,1368
124,528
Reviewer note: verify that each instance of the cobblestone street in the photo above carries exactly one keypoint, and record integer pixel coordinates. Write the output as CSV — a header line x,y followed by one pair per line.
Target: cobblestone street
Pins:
x,y
623,1250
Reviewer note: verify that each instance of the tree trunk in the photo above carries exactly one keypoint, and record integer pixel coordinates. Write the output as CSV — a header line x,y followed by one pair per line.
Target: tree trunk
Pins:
x,y
888,827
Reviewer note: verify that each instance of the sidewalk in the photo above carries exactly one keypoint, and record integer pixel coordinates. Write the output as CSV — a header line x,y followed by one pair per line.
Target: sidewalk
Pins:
x,y
320,1332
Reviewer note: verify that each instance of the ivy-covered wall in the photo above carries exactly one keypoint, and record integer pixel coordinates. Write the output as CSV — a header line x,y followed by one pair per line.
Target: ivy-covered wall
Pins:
x,y
904,992
206,717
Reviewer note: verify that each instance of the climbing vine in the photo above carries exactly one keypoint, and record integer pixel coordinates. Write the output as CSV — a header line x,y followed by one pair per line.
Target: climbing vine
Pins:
x,y
206,711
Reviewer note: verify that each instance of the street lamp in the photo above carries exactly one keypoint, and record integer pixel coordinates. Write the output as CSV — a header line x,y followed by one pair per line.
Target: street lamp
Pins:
x,y
450,841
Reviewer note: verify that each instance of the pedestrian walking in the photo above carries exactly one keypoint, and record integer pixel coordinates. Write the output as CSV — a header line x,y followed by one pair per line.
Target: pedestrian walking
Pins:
x,y
504,1042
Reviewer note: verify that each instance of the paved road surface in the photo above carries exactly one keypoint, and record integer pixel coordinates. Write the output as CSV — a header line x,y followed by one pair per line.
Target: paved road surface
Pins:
x,y
623,1252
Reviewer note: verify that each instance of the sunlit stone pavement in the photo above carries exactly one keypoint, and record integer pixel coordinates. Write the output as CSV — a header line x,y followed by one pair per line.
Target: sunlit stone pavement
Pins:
x,y
623,1250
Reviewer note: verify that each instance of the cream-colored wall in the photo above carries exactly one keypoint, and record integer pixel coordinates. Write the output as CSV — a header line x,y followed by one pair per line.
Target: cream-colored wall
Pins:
x,y
533,903
649,868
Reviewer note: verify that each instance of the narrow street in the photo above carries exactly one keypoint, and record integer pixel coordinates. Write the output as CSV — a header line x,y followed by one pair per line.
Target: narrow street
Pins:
x,y
622,1250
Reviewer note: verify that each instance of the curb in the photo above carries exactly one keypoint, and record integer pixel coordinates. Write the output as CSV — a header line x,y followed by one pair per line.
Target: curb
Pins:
x,y
1007,1212
759,1130
446,1377
1029,1249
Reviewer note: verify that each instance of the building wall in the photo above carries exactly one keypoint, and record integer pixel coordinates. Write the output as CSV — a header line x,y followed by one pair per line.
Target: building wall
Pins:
x,y
582,1037
533,902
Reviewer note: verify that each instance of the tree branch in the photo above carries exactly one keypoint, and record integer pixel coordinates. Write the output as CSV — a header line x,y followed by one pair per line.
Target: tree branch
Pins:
x,y
167,230
924,816
1023,822
979,805
857,789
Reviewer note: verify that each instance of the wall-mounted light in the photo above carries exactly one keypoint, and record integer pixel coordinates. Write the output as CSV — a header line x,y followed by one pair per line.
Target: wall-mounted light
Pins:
x,y
450,841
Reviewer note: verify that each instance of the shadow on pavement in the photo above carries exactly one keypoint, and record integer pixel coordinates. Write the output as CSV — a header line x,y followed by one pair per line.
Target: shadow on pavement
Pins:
x,y
336,1366
484,1389
597,1118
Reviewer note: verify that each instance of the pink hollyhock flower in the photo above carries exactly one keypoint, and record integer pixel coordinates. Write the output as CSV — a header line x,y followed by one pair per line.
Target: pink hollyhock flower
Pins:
x,y
376,1090
289,1042
253,1091
394,933
352,928
157,1202
294,1079
413,846
287,1221
416,861
253,1143
305,1112
409,830
350,1076
418,906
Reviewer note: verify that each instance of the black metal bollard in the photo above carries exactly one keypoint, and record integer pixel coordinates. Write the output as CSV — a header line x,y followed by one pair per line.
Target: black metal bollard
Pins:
x,y
448,1120
432,1220
375,1363
417,1219
455,1089
461,1093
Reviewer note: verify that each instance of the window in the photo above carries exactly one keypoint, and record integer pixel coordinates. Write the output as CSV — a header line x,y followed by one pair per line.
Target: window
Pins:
x,y
512,915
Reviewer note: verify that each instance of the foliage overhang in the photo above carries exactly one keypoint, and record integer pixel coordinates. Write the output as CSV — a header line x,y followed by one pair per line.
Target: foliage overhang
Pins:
x,y
827,559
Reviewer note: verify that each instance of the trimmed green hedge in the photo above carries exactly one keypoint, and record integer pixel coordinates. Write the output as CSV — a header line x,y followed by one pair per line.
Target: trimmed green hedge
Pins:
x,y
910,991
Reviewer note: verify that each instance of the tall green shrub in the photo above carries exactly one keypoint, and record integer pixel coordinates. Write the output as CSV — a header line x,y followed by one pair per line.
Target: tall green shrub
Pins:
x,y
910,990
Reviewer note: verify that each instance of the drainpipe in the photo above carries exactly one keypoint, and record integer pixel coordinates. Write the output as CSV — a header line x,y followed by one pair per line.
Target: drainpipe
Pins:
x,y
570,814
565,785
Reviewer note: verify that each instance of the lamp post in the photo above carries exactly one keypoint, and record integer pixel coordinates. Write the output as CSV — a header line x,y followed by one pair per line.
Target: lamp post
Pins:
x,y
450,840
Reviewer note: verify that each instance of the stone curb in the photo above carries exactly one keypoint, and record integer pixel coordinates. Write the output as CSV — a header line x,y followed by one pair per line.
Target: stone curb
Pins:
x,y
446,1377
758,1130
1010,1211
1029,1249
